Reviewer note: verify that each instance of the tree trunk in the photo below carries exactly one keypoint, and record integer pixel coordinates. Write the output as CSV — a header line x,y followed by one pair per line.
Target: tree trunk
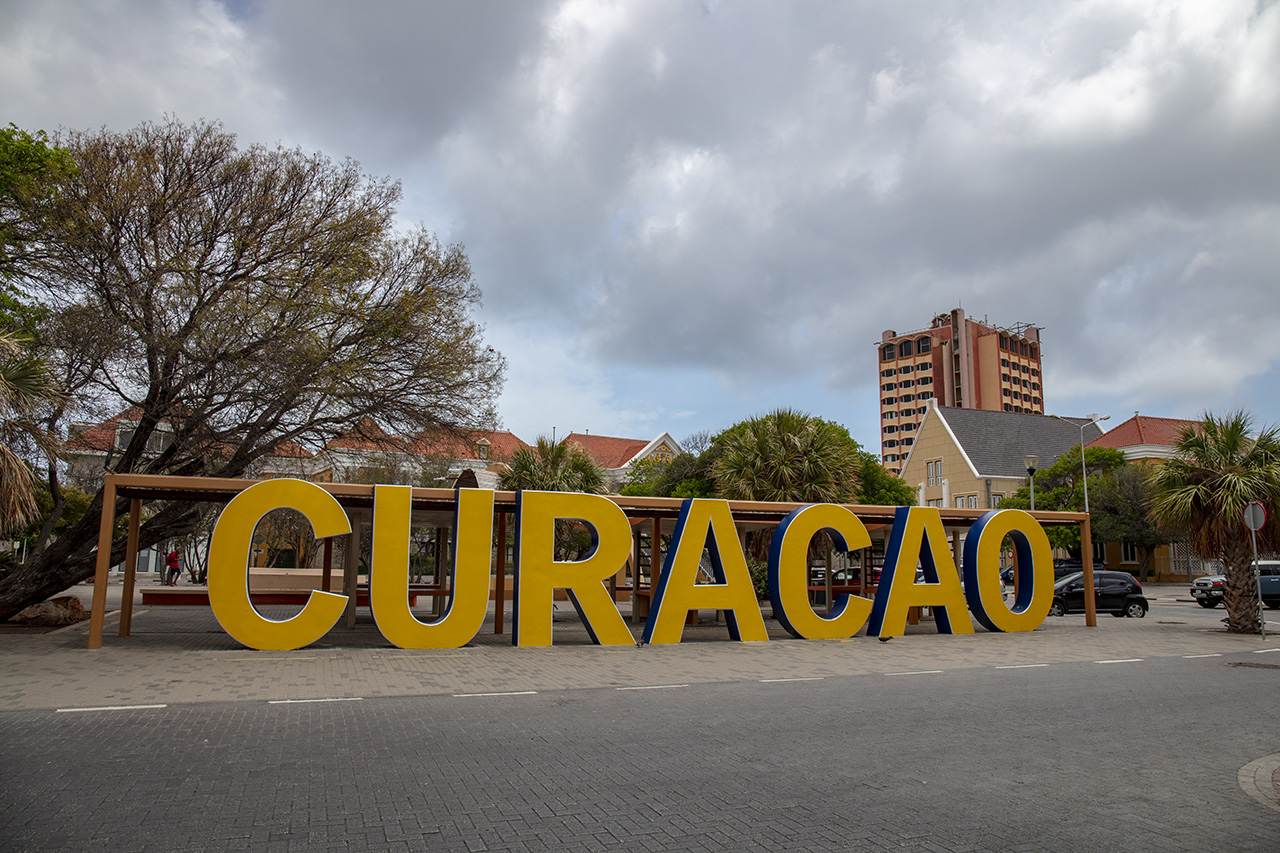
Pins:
x,y
71,558
1239,591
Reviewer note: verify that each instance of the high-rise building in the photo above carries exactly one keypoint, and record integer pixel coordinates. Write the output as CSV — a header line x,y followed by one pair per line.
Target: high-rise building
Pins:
x,y
960,362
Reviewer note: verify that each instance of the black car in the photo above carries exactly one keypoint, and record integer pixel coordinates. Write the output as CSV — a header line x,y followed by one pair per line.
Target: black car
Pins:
x,y
1117,593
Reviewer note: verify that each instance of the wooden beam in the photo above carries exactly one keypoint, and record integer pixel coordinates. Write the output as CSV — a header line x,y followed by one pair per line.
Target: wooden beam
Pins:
x,y
130,568
106,525
350,568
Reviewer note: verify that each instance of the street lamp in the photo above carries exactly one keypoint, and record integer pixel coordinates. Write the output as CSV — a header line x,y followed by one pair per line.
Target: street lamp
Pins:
x,y
1031,462
1084,471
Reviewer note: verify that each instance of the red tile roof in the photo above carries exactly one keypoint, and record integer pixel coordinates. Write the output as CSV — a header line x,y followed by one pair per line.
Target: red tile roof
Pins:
x,y
367,435
1143,429
606,450
291,450
102,436
502,444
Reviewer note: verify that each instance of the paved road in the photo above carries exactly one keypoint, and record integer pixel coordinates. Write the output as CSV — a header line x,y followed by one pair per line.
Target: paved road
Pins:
x,y
1064,739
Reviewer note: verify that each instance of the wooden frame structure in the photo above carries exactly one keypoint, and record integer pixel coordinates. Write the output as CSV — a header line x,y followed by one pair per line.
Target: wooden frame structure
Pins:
x,y
436,506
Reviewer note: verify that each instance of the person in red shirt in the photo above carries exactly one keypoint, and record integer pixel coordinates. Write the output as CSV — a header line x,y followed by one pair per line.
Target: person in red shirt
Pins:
x,y
171,576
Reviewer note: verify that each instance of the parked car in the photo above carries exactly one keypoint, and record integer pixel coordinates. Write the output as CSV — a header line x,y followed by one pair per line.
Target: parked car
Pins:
x,y
1117,593
1208,591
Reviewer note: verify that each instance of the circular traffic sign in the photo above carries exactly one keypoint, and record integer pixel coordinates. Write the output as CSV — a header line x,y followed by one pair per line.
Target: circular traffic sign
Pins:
x,y
1255,515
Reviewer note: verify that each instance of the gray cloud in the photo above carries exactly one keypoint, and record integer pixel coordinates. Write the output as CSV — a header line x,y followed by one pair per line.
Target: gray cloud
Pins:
x,y
719,206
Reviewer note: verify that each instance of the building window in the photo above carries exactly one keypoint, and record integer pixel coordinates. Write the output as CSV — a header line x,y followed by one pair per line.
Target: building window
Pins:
x,y
923,345
925,380
924,365
907,427
888,416
1017,410
1035,401
1004,362
1035,372
922,410
996,497
124,435
1128,551
886,352
482,449
906,398
891,442
888,386
1005,391
973,501
1099,554
889,372
907,442
888,401
1004,342
904,349
1008,407
1035,386
891,428
1022,348
907,369
935,502
1033,351
933,472
1024,368
925,395
907,383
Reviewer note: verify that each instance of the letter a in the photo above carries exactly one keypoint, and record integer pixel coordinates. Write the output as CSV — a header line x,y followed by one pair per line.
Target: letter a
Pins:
x,y
708,523
918,537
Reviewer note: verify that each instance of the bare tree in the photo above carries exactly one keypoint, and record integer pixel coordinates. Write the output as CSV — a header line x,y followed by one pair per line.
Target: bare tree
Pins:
x,y
257,297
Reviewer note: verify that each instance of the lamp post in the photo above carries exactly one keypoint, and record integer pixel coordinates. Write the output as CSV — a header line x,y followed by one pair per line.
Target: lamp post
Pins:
x,y
1084,471
1031,462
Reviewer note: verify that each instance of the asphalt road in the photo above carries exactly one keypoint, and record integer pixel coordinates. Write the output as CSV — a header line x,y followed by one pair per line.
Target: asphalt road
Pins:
x,y
1126,754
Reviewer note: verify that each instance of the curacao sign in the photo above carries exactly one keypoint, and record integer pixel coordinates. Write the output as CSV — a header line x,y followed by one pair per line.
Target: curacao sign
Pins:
x,y
917,539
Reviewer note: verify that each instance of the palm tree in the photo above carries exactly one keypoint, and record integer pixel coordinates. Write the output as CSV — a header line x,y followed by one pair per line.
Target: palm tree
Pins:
x,y
1218,469
24,384
556,466
787,456
553,466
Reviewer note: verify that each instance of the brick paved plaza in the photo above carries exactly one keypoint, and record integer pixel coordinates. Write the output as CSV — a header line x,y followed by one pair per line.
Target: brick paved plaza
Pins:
x,y
1140,734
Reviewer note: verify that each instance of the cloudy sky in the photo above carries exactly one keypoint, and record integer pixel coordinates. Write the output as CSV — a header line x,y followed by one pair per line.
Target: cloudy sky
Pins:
x,y
687,212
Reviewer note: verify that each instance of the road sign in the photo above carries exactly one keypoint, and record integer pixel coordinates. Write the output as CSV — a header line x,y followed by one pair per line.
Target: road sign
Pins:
x,y
1255,515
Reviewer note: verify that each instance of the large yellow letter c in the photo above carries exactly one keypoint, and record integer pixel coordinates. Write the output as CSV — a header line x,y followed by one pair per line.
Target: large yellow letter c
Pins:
x,y
229,565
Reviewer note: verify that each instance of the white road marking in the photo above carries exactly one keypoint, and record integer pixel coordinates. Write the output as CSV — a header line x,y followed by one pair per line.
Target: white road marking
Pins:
x,y
780,680
110,708
916,672
1264,651
1121,660
1022,666
653,687
304,701
1215,655
508,693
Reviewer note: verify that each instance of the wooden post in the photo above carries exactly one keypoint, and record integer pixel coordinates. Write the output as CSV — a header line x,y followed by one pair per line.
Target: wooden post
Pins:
x,y
130,567
350,568
655,556
827,560
635,572
326,577
1086,554
98,611
500,587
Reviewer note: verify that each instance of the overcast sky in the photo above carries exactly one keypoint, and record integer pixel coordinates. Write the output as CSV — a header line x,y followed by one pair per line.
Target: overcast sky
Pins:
x,y
685,213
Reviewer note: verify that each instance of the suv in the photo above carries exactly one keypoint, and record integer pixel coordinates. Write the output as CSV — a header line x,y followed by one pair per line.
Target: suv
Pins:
x,y
1117,593
1208,591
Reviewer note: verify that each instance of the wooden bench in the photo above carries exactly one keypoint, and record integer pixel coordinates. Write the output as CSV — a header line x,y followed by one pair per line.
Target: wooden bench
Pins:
x,y
199,595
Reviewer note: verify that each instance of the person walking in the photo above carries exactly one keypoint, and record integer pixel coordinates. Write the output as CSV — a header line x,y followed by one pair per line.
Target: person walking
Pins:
x,y
171,576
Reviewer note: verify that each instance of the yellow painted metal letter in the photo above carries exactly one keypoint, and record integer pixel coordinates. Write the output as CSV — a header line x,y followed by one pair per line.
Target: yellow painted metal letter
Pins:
x,y
229,565
538,574
789,572
704,523
918,537
982,570
389,570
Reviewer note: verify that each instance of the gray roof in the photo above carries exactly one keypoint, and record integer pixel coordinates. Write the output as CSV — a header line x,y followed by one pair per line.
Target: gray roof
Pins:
x,y
996,442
